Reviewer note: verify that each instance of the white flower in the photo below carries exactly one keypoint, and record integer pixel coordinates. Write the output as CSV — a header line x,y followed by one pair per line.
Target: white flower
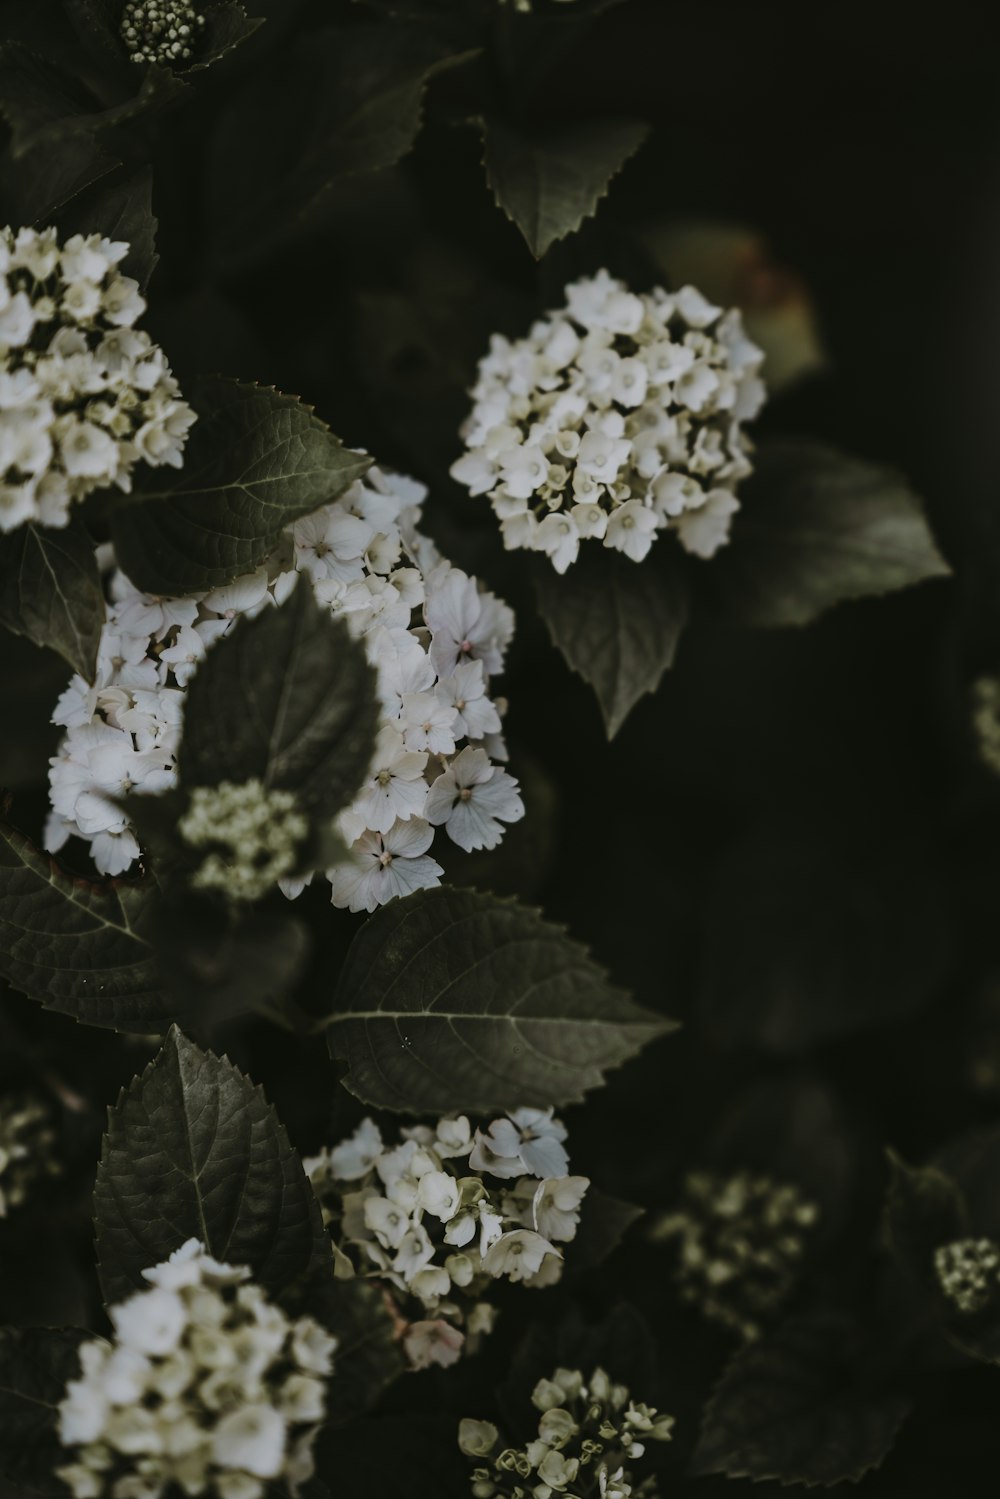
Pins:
x,y
433,1342
472,799
465,623
555,1207
83,397
577,427
528,1140
150,1321
397,788
517,1255
383,865
355,1157
252,1439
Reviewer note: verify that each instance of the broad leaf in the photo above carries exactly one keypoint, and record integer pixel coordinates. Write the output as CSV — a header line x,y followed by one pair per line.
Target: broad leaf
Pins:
x,y
36,1364
193,1150
289,698
50,591
452,999
551,179
80,948
604,1222
254,461
339,103
46,106
617,622
798,1408
924,1209
226,26
817,527
121,210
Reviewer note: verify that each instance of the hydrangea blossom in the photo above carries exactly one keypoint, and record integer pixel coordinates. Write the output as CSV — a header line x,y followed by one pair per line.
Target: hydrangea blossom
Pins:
x,y
740,1241
421,1217
161,31
84,396
968,1272
27,1142
617,417
434,635
590,1435
254,836
207,1389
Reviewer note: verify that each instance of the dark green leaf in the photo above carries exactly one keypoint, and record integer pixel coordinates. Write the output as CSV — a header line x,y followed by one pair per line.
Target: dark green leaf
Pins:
x,y
340,102
45,106
604,1222
924,1209
80,948
552,179
50,591
226,25
617,622
452,999
817,527
255,460
287,697
796,1407
193,1150
36,1364
121,210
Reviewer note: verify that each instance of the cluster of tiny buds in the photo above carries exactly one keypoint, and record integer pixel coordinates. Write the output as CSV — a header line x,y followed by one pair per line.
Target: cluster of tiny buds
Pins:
x,y
968,1272
590,1432
257,836
27,1142
740,1240
162,31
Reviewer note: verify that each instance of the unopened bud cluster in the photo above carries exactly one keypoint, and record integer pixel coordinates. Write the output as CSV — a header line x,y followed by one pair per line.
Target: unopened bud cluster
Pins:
x,y
27,1142
422,1217
208,1389
740,1241
968,1272
590,1433
163,31
255,836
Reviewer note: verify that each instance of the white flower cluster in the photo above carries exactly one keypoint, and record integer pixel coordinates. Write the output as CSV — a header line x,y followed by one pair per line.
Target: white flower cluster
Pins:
x,y
434,635
27,1142
617,417
421,1216
589,1434
255,835
84,396
968,1272
740,1241
163,31
208,1389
